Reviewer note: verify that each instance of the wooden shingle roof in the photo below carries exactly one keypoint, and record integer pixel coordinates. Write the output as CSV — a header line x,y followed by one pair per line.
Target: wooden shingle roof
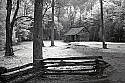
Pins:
x,y
74,31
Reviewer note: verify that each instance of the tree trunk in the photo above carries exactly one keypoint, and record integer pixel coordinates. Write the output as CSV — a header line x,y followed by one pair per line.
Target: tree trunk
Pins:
x,y
37,34
80,19
24,9
70,21
52,28
12,24
8,51
42,32
102,24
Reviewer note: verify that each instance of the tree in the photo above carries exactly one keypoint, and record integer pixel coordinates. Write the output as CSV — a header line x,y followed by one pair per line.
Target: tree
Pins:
x,y
26,8
13,21
103,32
52,28
9,27
9,51
37,34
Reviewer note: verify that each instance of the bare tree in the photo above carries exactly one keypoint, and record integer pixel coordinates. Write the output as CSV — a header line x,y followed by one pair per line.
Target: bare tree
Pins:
x,y
102,24
37,34
8,51
52,28
9,27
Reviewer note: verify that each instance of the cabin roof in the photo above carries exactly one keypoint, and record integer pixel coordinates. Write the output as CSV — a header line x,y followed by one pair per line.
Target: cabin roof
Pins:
x,y
74,31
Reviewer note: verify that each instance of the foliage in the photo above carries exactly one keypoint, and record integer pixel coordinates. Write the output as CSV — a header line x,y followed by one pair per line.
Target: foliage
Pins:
x,y
2,25
76,13
87,14
23,29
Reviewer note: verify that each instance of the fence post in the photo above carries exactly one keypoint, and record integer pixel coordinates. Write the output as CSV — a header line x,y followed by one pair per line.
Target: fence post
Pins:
x,y
99,70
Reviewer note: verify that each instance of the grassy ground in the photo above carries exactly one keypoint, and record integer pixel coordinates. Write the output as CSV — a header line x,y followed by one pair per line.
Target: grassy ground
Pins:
x,y
115,55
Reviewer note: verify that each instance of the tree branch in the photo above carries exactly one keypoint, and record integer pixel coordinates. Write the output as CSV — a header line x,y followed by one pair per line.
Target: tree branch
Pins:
x,y
14,17
24,16
45,11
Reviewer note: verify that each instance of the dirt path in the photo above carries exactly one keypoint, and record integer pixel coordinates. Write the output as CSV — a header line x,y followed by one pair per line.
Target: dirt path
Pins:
x,y
115,55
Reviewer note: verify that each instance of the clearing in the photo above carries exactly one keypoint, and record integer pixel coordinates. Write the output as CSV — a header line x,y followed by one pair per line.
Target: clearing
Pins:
x,y
114,55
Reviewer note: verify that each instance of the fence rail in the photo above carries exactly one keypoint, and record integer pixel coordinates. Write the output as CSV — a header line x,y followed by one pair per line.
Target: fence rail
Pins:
x,y
15,72
87,65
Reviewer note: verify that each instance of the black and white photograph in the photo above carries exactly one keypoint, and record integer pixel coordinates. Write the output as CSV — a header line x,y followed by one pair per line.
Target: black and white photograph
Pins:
x,y
62,41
